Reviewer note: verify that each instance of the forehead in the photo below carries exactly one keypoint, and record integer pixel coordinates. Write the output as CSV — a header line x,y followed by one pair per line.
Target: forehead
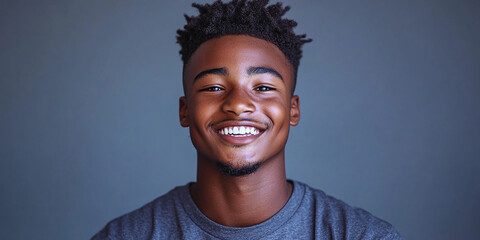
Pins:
x,y
237,53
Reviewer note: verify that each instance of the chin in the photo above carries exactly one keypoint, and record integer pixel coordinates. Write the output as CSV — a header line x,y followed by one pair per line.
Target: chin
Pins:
x,y
237,171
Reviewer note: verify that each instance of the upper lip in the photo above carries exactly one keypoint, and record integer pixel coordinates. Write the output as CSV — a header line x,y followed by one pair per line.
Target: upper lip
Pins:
x,y
233,123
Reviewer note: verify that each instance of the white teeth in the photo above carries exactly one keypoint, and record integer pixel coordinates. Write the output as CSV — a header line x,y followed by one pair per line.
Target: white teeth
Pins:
x,y
241,131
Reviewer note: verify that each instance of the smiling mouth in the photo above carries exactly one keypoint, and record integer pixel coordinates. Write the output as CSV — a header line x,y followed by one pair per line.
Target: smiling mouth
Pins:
x,y
239,131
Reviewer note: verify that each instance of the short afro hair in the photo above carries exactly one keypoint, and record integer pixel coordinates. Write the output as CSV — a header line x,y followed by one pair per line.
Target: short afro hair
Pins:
x,y
242,17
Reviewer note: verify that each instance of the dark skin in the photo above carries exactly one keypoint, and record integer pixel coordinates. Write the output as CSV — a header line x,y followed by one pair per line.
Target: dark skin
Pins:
x,y
239,107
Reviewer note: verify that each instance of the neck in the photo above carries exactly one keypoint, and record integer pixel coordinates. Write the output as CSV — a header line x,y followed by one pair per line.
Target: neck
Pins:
x,y
241,201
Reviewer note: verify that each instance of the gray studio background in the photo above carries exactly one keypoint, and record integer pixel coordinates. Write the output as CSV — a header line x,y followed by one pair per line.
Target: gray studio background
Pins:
x,y
89,93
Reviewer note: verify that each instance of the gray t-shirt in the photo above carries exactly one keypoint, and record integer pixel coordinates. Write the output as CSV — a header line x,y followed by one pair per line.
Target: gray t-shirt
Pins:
x,y
308,214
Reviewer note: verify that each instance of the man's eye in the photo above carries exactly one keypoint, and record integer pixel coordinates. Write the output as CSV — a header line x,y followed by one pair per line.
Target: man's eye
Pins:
x,y
212,89
264,88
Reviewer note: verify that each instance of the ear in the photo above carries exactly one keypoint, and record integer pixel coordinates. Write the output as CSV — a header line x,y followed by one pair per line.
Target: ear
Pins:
x,y
294,110
183,112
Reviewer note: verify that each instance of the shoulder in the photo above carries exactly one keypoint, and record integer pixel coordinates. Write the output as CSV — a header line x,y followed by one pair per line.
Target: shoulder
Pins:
x,y
338,219
143,223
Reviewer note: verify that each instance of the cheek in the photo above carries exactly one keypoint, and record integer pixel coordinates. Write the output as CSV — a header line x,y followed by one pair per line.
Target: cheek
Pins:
x,y
200,116
277,110
199,111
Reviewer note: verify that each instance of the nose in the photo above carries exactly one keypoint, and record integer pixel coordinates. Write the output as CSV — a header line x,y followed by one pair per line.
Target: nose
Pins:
x,y
237,102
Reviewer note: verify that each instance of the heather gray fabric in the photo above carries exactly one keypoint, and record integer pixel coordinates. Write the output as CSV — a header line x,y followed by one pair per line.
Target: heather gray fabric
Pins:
x,y
308,214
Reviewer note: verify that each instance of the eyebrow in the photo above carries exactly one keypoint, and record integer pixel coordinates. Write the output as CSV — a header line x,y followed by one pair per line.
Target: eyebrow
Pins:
x,y
250,71
261,70
215,71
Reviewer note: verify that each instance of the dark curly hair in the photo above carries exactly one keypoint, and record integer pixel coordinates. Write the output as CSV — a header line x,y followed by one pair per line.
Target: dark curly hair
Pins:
x,y
238,17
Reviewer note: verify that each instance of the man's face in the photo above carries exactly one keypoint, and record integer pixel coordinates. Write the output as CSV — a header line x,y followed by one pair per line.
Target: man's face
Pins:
x,y
239,104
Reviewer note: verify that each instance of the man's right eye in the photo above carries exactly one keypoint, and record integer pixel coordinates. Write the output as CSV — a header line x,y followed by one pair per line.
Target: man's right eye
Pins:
x,y
211,89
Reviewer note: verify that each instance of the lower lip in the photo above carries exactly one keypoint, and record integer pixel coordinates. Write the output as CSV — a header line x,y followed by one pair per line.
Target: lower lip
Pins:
x,y
237,140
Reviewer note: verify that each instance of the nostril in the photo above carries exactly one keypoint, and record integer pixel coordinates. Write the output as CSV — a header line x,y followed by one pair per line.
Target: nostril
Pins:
x,y
239,107
238,103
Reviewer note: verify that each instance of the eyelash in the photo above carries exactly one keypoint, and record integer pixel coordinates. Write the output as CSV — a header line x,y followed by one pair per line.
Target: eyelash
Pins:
x,y
217,88
264,88
211,89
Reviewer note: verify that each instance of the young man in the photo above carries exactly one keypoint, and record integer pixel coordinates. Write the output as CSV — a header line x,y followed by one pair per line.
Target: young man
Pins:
x,y
240,65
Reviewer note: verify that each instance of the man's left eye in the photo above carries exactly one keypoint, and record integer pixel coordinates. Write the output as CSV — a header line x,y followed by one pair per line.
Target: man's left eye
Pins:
x,y
264,88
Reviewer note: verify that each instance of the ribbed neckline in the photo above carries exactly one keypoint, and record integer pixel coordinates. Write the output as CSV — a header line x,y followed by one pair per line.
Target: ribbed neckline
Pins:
x,y
252,232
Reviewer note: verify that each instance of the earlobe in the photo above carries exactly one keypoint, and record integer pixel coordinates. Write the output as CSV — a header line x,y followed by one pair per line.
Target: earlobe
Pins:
x,y
294,111
183,112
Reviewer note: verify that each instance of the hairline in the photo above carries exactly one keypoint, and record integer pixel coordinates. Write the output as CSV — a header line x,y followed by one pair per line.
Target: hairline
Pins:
x,y
292,68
